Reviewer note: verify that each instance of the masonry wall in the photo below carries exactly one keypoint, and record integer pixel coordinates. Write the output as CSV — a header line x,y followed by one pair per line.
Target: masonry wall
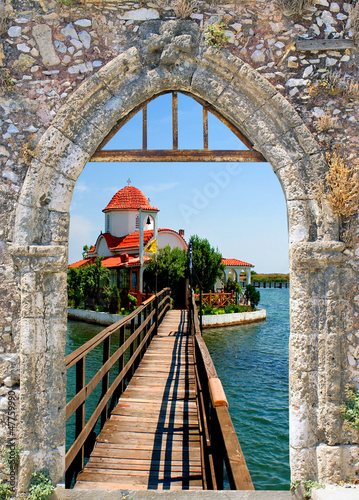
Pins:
x,y
48,49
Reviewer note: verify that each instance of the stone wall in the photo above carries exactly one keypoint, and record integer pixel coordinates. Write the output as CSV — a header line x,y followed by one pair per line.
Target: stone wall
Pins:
x,y
67,74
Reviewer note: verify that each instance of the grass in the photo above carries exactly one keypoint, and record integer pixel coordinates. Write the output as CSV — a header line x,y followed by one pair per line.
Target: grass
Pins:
x,y
215,35
6,82
350,408
325,123
293,7
183,8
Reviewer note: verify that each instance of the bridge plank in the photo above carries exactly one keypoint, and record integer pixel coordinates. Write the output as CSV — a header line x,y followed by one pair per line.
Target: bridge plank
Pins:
x,y
151,440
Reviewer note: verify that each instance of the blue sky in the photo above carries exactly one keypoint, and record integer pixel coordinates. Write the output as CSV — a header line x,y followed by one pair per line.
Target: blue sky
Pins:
x,y
239,207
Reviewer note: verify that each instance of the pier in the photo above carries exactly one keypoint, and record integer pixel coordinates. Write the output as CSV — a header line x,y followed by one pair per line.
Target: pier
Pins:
x,y
164,418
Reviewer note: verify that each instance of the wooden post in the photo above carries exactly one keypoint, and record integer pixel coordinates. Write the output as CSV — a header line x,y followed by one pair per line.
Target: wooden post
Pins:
x,y
121,361
210,298
175,120
155,331
205,128
106,378
78,463
132,349
144,127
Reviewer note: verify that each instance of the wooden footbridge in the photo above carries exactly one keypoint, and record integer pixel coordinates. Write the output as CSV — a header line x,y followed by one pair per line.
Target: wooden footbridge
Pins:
x,y
164,421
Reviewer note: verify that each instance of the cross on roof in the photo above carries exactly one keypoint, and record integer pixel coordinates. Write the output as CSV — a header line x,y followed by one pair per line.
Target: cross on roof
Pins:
x,y
129,182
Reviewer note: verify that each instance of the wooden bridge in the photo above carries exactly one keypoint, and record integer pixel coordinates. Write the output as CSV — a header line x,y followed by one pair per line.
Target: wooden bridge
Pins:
x,y
164,421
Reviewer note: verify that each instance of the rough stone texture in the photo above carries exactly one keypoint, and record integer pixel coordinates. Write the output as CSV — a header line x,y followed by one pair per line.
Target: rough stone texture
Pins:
x,y
43,38
77,71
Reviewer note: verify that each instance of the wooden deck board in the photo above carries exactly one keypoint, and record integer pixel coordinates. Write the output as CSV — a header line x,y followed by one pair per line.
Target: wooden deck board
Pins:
x,y
151,440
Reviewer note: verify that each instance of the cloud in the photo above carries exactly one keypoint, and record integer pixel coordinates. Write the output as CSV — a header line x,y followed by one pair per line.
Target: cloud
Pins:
x,y
81,188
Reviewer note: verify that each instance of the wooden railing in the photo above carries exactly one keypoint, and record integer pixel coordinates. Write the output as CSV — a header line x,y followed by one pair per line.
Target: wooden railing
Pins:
x,y
219,443
219,299
143,324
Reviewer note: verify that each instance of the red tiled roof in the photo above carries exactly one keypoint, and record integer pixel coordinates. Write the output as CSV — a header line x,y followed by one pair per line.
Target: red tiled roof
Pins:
x,y
235,262
132,240
111,262
83,262
129,198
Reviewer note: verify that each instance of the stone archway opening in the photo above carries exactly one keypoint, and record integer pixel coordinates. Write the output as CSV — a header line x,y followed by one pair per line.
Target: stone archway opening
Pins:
x,y
170,56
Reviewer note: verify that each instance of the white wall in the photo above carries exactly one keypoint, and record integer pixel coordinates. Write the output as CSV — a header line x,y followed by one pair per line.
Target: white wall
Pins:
x,y
103,250
124,222
170,239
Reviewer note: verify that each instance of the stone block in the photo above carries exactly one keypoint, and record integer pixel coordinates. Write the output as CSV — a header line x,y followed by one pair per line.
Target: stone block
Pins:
x,y
61,189
55,304
121,70
73,160
303,464
303,349
9,364
24,224
292,182
55,281
59,227
207,85
43,36
33,337
32,304
298,218
329,463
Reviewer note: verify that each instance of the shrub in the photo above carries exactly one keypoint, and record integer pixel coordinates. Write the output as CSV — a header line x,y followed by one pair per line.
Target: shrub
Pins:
x,y
184,8
5,491
215,35
114,300
6,82
325,123
309,486
343,185
252,296
11,456
350,408
293,6
40,487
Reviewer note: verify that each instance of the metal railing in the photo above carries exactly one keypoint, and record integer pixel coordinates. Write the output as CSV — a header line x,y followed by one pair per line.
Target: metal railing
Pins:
x,y
219,443
143,324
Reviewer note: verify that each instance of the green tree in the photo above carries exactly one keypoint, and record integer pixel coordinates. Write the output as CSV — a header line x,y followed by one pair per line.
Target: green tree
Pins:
x,y
170,266
74,286
114,300
252,296
233,286
85,253
207,262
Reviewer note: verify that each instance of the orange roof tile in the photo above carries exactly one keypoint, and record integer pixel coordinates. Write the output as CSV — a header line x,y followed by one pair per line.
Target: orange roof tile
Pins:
x,y
235,262
132,240
129,198
83,262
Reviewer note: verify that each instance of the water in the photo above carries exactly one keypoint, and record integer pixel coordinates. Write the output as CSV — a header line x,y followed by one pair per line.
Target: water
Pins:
x,y
252,362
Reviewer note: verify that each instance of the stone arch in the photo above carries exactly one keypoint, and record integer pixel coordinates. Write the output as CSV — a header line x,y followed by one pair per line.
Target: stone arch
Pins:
x,y
171,56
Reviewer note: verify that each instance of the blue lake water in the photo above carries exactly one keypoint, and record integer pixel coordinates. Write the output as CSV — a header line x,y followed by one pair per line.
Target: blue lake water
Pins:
x,y
252,362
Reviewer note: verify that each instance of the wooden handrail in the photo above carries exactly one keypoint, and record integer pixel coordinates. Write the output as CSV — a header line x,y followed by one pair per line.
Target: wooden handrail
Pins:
x,y
219,440
149,315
